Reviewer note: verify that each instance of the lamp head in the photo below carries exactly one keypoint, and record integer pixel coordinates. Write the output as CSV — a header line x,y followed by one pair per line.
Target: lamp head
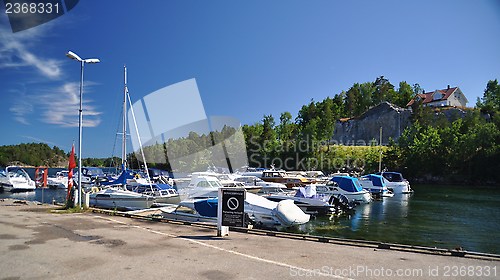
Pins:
x,y
73,55
92,60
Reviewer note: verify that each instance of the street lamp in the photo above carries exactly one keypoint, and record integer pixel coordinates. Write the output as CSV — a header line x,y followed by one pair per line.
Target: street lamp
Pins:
x,y
74,56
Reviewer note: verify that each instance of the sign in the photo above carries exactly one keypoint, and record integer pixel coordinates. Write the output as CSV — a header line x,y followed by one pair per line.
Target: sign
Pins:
x,y
233,207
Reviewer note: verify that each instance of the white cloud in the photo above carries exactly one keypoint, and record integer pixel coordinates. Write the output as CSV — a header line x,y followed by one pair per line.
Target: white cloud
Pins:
x,y
60,106
15,53
56,105
21,108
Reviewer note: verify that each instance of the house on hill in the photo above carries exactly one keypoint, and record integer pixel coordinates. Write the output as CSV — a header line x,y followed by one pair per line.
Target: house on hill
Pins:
x,y
448,97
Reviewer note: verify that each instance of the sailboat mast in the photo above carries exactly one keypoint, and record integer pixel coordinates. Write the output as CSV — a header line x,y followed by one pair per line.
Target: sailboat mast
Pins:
x,y
124,138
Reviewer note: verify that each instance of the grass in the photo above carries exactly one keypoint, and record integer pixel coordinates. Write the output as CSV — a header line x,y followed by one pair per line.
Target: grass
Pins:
x,y
70,210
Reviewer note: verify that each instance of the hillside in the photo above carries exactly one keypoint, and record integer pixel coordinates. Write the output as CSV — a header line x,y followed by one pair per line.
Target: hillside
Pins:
x,y
33,154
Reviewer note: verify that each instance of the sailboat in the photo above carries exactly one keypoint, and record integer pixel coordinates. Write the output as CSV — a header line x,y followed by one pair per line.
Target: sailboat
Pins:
x,y
127,192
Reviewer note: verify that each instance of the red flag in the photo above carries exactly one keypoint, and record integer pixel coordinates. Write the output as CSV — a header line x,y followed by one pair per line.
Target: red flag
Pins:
x,y
72,164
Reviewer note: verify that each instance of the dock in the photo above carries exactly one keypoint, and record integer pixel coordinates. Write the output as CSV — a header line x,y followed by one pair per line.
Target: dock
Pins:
x,y
37,243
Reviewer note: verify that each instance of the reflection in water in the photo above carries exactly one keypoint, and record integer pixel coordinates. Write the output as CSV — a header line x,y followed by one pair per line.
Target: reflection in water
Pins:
x,y
435,216
44,195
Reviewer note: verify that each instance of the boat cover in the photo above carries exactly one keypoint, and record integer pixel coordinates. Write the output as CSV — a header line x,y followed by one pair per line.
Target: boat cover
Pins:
x,y
121,180
376,180
206,207
348,184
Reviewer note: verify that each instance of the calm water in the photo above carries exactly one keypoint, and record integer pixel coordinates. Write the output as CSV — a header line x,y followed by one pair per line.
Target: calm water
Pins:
x,y
435,216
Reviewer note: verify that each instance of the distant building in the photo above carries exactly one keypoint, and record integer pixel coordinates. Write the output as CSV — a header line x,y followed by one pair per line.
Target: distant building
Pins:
x,y
449,97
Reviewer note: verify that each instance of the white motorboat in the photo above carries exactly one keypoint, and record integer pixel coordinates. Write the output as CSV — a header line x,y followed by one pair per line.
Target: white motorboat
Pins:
x,y
185,211
261,212
90,176
307,199
201,187
376,185
345,185
396,183
15,179
59,180
269,214
265,187
117,198
227,180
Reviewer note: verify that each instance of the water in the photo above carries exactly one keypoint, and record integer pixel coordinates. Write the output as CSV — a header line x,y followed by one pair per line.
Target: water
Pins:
x,y
44,195
434,216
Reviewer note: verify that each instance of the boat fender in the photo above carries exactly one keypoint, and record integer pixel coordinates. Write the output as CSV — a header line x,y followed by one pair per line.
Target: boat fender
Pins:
x,y
94,189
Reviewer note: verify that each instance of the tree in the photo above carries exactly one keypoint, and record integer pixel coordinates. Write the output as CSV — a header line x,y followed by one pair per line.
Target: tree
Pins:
x,y
384,91
285,128
490,102
404,94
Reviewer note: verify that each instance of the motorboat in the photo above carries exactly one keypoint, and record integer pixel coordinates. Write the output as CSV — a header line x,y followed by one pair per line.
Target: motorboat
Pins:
x,y
186,211
317,176
227,180
201,187
308,200
59,180
91,176
259,211
345,185
395,182
251,171
269,214
281,176
159,176
16,179
265,187
376,185
120,199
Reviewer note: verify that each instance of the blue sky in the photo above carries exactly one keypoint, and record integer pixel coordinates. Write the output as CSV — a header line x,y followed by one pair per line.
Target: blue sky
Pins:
x,y
249,58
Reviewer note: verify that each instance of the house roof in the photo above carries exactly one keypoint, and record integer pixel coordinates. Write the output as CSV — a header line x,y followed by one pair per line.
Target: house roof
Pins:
x,y
427,97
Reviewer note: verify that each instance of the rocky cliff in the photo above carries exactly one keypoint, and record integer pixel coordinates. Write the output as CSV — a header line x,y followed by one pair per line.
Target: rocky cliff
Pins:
x,y
365,129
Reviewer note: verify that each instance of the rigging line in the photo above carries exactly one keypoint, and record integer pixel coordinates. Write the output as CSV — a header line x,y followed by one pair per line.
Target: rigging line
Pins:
x,y
114,143
140,142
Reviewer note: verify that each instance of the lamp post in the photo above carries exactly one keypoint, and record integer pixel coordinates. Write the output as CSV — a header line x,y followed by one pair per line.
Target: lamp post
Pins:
x,y
74,56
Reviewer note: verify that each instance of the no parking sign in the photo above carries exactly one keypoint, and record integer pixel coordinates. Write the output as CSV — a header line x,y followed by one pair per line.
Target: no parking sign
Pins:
x,y
233,207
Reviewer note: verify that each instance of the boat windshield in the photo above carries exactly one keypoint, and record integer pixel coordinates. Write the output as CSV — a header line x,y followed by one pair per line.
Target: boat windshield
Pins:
x,y
17,173
331,183
393,176
357,185
215,184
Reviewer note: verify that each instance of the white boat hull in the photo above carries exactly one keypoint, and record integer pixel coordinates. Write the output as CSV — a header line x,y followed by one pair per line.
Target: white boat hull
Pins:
x,y
399,187
15,179
119,199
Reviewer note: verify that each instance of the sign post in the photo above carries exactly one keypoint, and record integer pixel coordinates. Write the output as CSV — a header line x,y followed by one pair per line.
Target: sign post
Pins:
x,y
230,209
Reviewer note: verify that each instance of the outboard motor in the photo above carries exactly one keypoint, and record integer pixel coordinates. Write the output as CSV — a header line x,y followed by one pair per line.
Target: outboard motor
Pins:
x,y
341,203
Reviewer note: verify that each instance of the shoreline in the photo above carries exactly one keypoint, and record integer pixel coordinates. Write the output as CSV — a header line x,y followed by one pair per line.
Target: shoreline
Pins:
x,y
90,245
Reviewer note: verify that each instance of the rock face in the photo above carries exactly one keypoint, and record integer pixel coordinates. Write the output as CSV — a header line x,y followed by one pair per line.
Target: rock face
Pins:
x,y
365,130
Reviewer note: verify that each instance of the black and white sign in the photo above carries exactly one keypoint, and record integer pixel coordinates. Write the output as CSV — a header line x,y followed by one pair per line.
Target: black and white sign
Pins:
x,y
233,207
